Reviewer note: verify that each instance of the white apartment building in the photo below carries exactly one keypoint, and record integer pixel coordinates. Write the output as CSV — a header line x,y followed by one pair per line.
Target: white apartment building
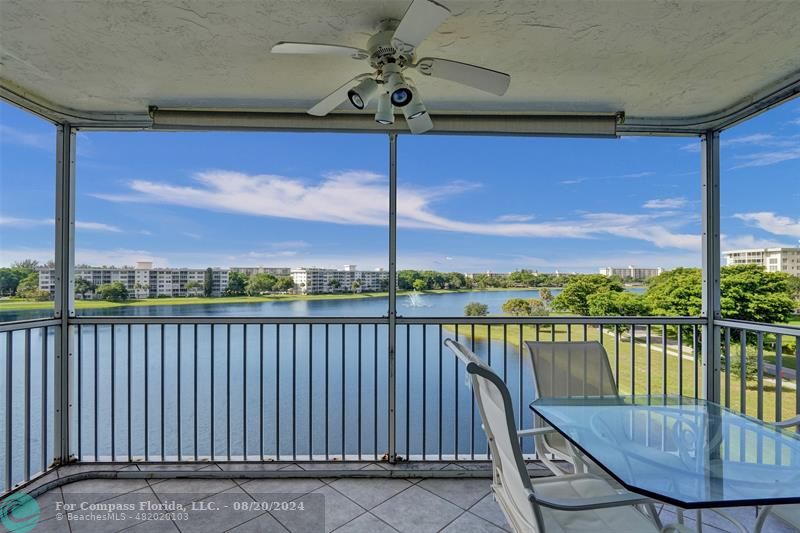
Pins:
x,y
631,272
325,280
144,281
772,259
275,271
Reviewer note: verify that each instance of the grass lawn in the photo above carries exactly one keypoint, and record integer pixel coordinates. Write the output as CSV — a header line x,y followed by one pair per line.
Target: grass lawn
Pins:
x,y
641,370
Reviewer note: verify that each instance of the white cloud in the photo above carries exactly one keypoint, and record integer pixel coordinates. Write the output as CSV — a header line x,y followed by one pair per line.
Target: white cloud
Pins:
x,y
24,138
665,203
633,175
772,223
763,159
743,242
360,198
514,218
33,222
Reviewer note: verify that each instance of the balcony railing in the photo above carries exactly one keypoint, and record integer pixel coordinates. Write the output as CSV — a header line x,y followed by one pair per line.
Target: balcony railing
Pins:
x,y
272,389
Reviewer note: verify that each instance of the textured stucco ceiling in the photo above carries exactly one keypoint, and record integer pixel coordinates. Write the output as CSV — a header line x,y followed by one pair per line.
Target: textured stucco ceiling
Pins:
x,y
670,59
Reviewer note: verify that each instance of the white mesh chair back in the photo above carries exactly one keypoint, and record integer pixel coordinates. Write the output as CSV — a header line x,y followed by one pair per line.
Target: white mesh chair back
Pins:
x,y
563,369
512,485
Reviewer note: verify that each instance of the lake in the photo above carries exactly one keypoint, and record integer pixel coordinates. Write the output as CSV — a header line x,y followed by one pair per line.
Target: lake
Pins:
x,y
274,391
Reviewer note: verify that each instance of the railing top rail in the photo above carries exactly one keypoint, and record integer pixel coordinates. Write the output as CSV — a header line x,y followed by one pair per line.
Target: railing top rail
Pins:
x,y
589,320
559,320
17,325
238,320
760,326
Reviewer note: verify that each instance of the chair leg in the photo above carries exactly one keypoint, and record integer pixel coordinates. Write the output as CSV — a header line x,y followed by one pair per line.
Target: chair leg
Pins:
x,y
763,513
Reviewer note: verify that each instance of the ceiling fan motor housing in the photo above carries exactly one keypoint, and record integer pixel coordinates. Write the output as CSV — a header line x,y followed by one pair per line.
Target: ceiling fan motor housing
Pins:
x,y
383,51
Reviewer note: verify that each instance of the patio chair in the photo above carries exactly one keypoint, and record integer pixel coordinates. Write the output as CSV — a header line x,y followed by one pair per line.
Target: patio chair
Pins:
x,y
577,502
788,513
568,369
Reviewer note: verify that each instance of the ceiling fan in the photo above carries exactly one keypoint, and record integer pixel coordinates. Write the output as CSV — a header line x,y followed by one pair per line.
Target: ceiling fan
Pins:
x,y
391,53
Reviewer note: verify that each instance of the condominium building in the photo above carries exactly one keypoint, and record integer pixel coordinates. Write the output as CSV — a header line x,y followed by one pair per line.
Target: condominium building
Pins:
x,y
144,281
325,280
275,271
772,259
631,272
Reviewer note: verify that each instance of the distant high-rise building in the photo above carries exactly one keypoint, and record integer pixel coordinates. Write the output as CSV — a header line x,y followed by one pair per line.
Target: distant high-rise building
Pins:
x,y
772,259
631,272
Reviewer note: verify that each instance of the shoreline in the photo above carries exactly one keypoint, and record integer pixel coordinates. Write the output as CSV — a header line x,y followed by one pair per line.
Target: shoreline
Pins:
x,y
27,305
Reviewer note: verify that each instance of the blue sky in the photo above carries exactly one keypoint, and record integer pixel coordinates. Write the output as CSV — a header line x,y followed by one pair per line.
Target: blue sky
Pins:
x,y
465,203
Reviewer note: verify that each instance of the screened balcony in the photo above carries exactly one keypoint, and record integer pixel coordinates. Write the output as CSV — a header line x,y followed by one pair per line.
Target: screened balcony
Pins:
x,y
370,411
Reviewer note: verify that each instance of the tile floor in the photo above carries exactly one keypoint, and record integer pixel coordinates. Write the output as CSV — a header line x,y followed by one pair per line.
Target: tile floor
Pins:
x,y
413,504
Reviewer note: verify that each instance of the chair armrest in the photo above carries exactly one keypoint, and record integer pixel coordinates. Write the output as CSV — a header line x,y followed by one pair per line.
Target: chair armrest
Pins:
x,y
534,431
598,502
794,421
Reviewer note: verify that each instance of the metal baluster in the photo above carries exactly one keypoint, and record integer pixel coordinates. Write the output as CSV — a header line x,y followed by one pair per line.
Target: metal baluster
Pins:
x,y
633,359
178,387
311,389
696,359
327,394
664,360
79,410
96,395
130,393
359,391
649,356
294,391
375,391
261,392
277,392
162,399
455,390
113,392
147,393
244,392
489,360
424,386
194,394
616,353
778,377
9,410
743,370
228,390
342,391
472,403
213,411
727,348
440,392
44,459
680,360
26,462
519,375
760,375
408,391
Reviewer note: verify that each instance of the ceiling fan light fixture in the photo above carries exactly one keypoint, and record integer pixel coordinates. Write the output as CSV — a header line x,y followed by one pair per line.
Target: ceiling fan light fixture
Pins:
x,y
385,114
416,108
361,94
399,90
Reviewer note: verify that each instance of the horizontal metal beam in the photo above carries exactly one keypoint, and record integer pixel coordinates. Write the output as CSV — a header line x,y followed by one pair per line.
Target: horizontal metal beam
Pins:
x,y
558,320
759,326
594,125
34,323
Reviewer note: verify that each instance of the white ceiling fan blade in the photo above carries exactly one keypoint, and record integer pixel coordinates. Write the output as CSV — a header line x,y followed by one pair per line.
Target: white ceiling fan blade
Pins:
x,y
481,78
420,124
332,101
284,47
420,20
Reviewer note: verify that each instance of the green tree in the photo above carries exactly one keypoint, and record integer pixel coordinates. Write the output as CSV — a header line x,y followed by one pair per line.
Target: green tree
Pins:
x,y
419,285
517,307
334,285
574,297
355,286
82,286
208,282
113,292
27,265
28,285
675,293
284,283
193,287
751,293
476,309
611,303
546,296
259,283
237,283
9,280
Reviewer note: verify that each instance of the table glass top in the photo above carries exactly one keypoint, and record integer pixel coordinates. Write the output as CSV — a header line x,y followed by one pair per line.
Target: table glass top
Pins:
x,y
684,451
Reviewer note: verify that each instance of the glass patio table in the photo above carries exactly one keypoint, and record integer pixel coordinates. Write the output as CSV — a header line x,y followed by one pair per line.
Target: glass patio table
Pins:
x,y
687,452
